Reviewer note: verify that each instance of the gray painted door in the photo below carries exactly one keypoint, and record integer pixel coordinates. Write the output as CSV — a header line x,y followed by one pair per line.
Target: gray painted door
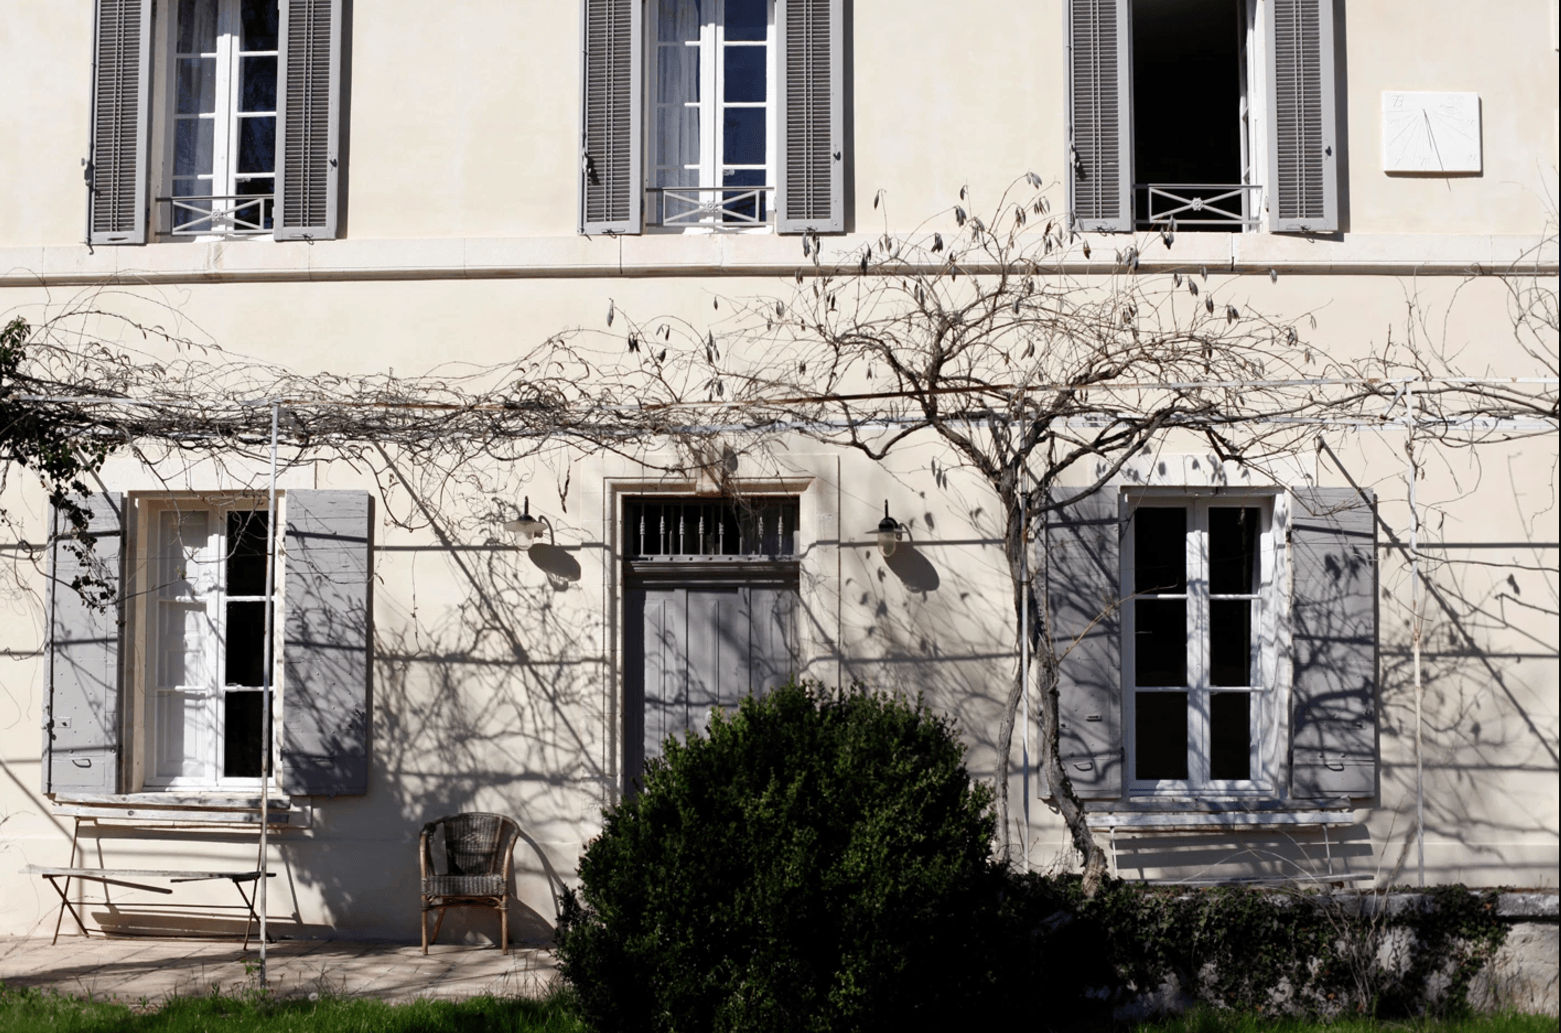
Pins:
x,y
690,648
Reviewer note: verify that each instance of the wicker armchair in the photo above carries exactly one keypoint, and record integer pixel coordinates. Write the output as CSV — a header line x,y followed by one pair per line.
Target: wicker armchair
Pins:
x,y
477,851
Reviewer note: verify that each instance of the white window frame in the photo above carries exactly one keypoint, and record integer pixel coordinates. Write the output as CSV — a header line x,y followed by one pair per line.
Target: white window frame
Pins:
x,y
711,142
148,514
225,142
1271,692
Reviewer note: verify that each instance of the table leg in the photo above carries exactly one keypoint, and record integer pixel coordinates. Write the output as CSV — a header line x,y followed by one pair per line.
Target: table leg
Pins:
x,y
65,905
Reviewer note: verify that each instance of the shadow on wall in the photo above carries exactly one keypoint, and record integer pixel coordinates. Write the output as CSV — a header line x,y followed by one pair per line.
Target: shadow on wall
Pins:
x,y
497,704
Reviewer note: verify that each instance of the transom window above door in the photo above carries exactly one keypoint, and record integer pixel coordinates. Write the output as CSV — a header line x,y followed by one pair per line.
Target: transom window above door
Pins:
x,y
662,528
712,112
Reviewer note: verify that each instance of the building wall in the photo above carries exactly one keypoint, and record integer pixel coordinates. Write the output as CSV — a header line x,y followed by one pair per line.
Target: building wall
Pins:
x,y
497,682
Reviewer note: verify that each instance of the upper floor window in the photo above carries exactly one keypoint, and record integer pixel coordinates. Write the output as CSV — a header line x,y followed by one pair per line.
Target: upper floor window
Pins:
x,y
1202,114
222,138
719,114
215,117
711,127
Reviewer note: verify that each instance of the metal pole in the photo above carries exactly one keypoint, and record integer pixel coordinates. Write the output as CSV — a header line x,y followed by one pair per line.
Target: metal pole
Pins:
x,y
1416,626
1024,637
265,693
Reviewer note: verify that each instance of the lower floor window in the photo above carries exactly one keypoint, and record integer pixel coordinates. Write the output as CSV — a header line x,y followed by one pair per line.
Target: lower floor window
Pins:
x,y
1199,650
204,600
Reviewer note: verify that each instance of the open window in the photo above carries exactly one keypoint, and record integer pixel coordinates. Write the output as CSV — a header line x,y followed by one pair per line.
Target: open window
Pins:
x,y
712,115
1202,114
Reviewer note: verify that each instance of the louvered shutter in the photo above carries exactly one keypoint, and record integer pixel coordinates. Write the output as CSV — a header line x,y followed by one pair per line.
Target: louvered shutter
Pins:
x,y
611,109
82,711
121,88
1303,153
1083,590
810,169
326,643
1100,115
1333,722
308,132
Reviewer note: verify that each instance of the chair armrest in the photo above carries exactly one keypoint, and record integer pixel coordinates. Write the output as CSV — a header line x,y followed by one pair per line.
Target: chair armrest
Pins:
x,y
424,858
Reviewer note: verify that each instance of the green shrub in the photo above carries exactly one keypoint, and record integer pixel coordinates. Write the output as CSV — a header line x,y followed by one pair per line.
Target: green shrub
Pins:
x,y
817,861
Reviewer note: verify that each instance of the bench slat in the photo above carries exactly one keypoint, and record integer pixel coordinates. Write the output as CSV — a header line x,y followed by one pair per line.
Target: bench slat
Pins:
x,y
189,816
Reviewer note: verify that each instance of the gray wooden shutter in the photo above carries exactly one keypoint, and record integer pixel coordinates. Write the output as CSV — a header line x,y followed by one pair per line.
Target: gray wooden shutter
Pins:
x,y
1303,149
1083,593
308,129
1333,725
327,632
611,109
810,168
81,730
121,92
1100,115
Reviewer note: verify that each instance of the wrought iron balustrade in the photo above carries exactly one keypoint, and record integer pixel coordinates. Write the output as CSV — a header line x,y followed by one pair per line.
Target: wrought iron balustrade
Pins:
x,y
232,214
1226,205
731,208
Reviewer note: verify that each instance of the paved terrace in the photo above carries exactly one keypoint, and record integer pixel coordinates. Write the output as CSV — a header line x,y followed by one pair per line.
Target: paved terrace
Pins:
x,y
136,969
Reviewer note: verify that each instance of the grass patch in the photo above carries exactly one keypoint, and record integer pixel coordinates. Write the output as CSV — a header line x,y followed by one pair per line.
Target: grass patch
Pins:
x,y
1207,1020
26,1010
36,1011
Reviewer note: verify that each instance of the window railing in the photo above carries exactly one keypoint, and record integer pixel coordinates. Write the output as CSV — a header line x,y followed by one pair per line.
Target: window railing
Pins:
x,y
727,208
232,214
1226,205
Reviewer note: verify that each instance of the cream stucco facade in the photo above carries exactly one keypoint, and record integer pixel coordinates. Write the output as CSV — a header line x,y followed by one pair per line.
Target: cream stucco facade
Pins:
x,y
497,678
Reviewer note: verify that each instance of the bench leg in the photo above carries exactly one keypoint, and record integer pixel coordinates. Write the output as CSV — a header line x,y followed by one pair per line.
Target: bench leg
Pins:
x,y
65,905
249,902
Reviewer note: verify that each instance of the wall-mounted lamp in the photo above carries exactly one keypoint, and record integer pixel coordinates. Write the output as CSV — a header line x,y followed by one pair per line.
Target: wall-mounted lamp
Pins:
x,y
525,527
889,531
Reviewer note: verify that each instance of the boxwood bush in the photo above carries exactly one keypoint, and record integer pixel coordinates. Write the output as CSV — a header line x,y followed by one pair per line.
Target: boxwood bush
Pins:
x,y
816,861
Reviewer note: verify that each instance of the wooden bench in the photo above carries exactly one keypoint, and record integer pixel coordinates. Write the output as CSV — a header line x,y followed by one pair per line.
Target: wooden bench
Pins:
x,y
1163,828
163,812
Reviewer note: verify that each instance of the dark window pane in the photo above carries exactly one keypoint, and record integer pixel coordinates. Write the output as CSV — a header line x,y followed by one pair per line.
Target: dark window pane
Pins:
x,y
244,662
744,78
747,19
1230,735
192,147
1160,642
679,20
259,28
197,26
1160,735
743,130
1230,642
1233,539
257,84
257,144
187,217
738,206
247,553
259,213
1159,550
196,92
242,742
